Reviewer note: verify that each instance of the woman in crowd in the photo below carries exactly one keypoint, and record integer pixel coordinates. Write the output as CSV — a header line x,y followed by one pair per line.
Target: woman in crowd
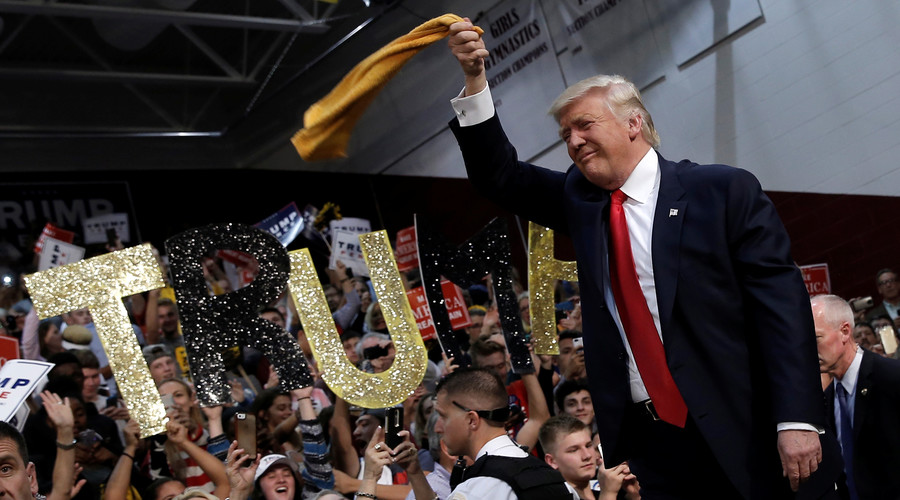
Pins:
x,y
276,476
276,422
169,455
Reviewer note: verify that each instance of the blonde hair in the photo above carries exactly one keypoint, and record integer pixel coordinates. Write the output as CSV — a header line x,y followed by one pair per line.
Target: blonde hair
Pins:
x,y
622,98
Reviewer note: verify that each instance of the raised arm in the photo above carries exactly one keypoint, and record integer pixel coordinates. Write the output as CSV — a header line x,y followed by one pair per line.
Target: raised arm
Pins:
x,y
345,458
177,434
120,480
538,412
60,414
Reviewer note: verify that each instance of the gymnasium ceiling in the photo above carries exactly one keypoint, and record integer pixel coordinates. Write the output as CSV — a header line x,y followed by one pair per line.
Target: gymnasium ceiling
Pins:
x,y
112,84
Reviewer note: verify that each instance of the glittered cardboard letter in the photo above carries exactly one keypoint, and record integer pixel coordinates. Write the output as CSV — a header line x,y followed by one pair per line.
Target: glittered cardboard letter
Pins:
x,y
99,283
543,271
369,390
212,324
485,253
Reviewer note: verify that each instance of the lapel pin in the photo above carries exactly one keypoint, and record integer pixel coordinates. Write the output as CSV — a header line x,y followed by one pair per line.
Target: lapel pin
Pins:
x,y
673,212
864,391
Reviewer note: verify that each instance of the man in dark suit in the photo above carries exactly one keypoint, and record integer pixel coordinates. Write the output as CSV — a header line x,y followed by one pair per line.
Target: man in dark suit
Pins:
x,y
864,401
697,325
889,289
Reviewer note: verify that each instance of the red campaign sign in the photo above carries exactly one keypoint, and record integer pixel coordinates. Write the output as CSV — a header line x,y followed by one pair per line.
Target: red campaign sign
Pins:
x,y
9,349
407,250
817,279
456,309
237,258
51,231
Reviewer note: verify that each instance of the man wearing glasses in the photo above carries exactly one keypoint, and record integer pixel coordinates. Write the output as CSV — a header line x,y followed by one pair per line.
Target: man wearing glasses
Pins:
x,y
472,408
889,289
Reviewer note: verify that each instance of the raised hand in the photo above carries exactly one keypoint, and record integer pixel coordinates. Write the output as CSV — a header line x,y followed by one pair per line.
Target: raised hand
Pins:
x,y
59,412
240,477
468,48
377,456
405,454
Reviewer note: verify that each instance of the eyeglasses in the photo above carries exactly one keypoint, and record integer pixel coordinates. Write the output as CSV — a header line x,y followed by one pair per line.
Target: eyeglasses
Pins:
x,y
888,281
497,414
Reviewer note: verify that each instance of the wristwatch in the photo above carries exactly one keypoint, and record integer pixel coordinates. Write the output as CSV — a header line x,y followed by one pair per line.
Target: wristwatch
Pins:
x,y
69,446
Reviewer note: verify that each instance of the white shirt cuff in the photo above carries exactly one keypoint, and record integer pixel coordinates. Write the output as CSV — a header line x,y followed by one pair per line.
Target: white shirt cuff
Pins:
x,y
473,109
799,426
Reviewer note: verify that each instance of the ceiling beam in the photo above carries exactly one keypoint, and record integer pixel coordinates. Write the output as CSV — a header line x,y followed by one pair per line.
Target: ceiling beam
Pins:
x,y
162,16
122,77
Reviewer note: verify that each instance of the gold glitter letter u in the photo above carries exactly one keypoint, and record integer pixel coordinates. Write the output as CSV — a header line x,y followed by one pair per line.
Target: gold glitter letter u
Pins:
x,y
369,390
99,283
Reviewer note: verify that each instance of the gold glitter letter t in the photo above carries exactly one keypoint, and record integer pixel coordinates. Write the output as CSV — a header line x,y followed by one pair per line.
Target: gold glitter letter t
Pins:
x,y
99,283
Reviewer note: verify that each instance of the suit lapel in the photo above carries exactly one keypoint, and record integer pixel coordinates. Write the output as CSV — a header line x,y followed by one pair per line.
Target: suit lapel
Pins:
x,y
593,203
667,223
829,407
863,387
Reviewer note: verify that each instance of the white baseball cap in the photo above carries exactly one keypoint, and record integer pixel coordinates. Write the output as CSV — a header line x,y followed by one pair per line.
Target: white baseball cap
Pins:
x,y
271,460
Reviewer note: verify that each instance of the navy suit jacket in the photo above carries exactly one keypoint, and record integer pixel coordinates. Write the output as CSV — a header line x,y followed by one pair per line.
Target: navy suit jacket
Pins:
x,y
734,312
876,427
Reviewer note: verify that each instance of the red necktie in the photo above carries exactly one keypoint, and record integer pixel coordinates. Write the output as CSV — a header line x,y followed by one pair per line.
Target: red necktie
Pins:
x,y
638,322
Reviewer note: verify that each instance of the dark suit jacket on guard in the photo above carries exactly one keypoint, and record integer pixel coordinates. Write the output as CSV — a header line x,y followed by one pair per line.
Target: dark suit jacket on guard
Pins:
x,y
734,312
876,427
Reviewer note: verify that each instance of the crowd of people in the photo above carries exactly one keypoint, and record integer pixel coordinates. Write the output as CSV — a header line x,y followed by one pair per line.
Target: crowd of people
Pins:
x,y
310,443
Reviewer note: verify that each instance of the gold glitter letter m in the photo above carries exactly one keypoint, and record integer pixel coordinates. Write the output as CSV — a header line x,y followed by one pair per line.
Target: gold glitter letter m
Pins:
x,y
99,284
543,271
369,390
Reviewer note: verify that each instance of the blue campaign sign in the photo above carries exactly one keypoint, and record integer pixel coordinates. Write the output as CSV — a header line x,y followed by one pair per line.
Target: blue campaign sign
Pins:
x,y
284,224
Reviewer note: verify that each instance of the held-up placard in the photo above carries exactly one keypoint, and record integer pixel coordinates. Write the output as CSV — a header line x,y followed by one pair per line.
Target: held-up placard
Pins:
x,y
284,224
406,250
456,309
51,231
9,349
345,248
59,253
17,379
95,228
817,279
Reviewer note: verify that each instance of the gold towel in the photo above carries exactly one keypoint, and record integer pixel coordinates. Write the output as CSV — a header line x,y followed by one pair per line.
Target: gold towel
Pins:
x,y
328,123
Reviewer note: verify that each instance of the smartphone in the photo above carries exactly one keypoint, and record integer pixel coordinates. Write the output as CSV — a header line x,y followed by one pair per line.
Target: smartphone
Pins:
x,y
862,304
888,340
393,424
86,439
111,237
578,344
245,432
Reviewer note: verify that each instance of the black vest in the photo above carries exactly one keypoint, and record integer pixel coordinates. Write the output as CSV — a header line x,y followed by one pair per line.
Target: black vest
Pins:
x,y
529,478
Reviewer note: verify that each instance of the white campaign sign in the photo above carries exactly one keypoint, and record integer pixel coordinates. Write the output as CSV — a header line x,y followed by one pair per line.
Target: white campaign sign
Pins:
x,y
95,228
59,253
18,378
345,248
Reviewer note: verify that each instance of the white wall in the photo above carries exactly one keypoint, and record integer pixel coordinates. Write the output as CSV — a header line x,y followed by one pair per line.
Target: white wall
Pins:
x,y
805,97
